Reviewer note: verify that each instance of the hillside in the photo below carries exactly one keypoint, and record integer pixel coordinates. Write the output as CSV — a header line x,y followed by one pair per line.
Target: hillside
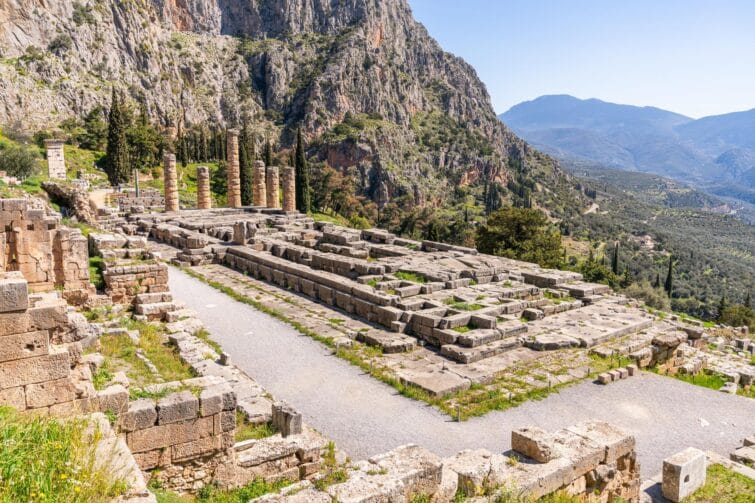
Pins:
x,y
714,154
376,96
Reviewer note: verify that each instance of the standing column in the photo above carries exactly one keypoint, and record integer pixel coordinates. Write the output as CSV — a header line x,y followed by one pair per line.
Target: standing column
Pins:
x,y
170,178
273,198
204,199
289,189
259,192
234,180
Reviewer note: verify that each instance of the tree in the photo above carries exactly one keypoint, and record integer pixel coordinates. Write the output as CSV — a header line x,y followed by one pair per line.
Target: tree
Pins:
x,y
668,286
738,316
144,142
657,282
748,300
116,155
268,155
95,131
303,188
19,161
246,161
615,259
721,307
520,233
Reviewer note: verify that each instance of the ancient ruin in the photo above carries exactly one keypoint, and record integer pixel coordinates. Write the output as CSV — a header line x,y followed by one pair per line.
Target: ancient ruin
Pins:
x,y
56,164
204,197
271,184
170,176
289,189
234,180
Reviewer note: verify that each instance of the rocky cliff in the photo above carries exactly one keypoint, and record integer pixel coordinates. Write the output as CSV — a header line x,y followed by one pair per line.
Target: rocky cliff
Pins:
x,y
373,91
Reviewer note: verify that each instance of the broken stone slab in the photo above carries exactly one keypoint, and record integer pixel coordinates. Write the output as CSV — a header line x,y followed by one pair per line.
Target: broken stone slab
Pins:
x,y
744,455
535,443
683,473
286,419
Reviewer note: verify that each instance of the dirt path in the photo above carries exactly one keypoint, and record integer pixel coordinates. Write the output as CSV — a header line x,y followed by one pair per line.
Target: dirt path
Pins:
x,y
365,417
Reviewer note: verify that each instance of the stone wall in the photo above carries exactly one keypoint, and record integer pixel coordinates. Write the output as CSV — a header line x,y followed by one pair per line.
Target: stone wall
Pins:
x,y
187,437
36,373
127,200
124,281
46,254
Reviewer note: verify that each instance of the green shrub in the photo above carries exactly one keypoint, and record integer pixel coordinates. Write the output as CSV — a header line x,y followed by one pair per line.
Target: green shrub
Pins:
x,y
19,161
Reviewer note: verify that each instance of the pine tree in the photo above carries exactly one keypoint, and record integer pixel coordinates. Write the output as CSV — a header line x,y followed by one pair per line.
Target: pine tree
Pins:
x,y
303,189
116,161
721,307
668,286
615,259
246,160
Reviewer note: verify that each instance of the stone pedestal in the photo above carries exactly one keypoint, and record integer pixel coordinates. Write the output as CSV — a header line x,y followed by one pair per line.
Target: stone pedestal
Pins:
x,y
234,180
289,189
259,191
56,164
204,199
271,181
171,182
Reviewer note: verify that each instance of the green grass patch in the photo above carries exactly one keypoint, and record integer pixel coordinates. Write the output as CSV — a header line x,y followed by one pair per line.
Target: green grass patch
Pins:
x,y
212,494
45,459
247,431
463,330
463,306
96,266
102,376
410,276
332,218
204,336
331,472
723,486
712,381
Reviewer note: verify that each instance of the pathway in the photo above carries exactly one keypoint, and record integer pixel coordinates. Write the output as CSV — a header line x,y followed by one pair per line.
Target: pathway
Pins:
x,y
365,417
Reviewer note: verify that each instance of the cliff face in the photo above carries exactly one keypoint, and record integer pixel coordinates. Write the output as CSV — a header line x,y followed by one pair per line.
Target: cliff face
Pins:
x,y
372,90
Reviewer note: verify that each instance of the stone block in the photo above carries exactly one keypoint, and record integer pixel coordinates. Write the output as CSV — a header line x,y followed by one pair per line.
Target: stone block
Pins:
x,y
632,369
605,378
286,419
34,370
153,459
534,443
195,448
170,434
25,345
141,414
216,398
13,397
614,441
683,473
50,393
224,422
113,398
623,373
177,407
14,294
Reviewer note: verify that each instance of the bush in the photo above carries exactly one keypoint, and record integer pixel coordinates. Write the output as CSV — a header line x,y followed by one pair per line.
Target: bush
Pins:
x,y
19,161
60,44
653,297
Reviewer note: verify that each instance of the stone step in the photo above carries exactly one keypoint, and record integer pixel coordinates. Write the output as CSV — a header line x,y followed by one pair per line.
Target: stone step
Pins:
x,y
179,314
389,342
478,337
153,298
156,308
471,355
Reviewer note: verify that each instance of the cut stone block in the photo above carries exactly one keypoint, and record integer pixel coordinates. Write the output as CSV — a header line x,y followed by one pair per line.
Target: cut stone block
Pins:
x,y
683,473
534,443
286,419
14,293
113,399
141,414
177,407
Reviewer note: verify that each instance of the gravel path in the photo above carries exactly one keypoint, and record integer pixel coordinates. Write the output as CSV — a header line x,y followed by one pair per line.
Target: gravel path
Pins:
x,y
365,417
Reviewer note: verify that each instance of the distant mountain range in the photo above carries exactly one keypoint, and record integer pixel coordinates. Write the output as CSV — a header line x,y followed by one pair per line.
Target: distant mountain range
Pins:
x,y
715,154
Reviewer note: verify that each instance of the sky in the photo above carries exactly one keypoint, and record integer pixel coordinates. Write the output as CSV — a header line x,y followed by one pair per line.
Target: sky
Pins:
x,y
694,57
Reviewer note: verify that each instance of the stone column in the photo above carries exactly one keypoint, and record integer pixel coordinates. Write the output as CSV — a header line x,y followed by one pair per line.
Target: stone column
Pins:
x,y
234,180
289,188
271,181
204,199
171,182
56,164
259,191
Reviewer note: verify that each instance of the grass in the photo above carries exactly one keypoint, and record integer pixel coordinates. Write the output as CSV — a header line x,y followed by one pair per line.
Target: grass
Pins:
x,y
102,376
712,381
463,306
332,472
204,336
462,330
410,276
44,459
332,218
212,494
247,431
96,265
723,486
121,349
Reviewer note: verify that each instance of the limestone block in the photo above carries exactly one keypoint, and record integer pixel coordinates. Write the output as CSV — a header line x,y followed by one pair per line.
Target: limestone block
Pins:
x,y
141,414
177,407
614,441
50,393
683,473
170,434
286,419
26,345
113,398
216,398
534,443
605,378
195,448
13,397
153,459
632,370
224,422
34,370
14,294
744,455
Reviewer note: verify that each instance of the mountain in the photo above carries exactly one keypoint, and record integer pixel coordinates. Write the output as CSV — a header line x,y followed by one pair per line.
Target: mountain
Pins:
x,y
376,96
713,153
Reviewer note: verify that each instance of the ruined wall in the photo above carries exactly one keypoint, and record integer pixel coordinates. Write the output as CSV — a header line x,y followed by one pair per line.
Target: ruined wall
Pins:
x,y
47,255
127,200
35,373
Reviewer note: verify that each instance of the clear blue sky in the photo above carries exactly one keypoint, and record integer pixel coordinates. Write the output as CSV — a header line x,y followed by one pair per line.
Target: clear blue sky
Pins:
x,y
695,57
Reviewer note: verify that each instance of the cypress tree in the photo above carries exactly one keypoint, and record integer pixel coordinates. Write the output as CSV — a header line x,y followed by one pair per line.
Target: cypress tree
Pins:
x,y
303,189
721,307
116,165
657,282
669,284
615,259
268,155
748,300
246,159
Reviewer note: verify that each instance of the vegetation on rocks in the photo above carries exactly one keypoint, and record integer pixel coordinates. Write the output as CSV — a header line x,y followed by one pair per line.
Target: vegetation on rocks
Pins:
x,y
723,486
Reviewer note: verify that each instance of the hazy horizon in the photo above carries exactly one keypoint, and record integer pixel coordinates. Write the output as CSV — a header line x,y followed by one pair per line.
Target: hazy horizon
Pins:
x,y
692,57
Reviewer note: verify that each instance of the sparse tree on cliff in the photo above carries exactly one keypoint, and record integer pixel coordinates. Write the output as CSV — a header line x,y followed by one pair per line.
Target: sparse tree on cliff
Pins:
x,y
303,189
116,161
